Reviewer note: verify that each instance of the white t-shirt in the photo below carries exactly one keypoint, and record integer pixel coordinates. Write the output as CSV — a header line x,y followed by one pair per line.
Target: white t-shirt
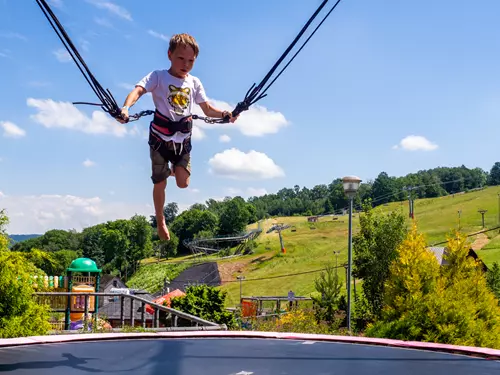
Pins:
x,y
173,97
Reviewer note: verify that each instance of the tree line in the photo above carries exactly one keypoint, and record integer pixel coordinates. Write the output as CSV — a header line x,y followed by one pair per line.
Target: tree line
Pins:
x,y
118,246
330,198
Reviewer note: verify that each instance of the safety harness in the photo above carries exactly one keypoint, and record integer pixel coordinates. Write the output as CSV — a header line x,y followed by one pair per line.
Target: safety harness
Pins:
x,y
162,125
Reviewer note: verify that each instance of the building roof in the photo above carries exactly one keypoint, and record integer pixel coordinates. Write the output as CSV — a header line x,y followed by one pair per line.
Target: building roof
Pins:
x,y
440,253
111,309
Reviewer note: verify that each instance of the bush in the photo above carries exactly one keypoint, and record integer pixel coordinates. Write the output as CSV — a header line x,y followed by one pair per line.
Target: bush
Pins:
x,y
448,304
20,315
327,299
297,320
205,302
375,248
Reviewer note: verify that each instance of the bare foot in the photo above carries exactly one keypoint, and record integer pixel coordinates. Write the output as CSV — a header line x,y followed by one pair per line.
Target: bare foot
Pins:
x,y
163,232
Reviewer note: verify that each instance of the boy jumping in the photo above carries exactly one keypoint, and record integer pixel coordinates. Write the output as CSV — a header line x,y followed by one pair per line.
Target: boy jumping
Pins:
x,y
174,91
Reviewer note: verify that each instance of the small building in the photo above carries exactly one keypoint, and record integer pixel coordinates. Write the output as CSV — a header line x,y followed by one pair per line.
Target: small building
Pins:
x,y
312,219
440,253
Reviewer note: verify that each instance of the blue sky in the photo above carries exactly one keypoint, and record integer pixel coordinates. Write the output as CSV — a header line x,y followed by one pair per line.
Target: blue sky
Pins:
x,y
392,85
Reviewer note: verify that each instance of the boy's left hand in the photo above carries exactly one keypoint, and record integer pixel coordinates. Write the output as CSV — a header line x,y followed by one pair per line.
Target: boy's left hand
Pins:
x,y
231,118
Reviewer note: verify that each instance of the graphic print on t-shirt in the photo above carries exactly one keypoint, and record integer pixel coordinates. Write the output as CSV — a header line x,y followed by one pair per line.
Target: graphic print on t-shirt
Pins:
x,y
179,98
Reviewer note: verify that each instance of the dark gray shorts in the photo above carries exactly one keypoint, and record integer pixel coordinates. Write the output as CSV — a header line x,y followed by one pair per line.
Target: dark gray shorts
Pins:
x,y
160,168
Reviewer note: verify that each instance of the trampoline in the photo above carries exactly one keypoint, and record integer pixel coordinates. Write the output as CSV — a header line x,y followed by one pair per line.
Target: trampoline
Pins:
x,y
238,353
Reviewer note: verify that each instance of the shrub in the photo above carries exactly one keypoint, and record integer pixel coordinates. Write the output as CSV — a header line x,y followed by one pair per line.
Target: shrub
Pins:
x,y
375,248
20,315
297,320
448,304
205,302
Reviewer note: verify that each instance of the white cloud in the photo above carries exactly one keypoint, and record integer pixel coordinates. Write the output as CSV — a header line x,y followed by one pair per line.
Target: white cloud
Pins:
x,y
194,190
103,22
112,8
88,163
236,164
11,130
85,45
248,192
256,192
230,191
62,55
164,37
39,84
40,213
126,86
256,122
224,138
56,3
13,35
416,143
198,134
65,115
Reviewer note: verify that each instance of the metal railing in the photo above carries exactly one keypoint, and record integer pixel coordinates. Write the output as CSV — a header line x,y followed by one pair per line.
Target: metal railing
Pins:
x,y
173,313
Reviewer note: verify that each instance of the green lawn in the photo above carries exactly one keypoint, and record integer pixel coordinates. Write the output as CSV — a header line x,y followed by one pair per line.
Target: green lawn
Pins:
x,y
308,249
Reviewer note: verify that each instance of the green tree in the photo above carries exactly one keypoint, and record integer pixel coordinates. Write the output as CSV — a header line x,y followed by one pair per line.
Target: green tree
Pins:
x,y
166,249
170,212
234,217
4,239
384,188
375,248
449,304
329,287
20,315
191,222
205,302
494,176
493,279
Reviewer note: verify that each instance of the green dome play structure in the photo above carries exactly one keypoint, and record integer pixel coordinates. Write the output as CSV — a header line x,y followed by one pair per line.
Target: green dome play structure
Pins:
x,y
85,274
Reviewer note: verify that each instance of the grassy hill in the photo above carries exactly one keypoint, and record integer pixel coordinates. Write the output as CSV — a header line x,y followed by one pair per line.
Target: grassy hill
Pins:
x,y
310,246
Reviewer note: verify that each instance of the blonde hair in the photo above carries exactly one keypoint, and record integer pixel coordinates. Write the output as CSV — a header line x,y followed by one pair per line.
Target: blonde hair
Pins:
x,y
183,40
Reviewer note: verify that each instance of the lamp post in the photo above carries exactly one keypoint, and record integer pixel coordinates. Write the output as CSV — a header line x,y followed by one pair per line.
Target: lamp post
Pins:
x,y
351,186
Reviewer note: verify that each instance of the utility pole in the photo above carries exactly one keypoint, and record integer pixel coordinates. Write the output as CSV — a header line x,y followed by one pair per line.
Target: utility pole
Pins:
x,y
459,215
241,277
499,208
410,200
482,212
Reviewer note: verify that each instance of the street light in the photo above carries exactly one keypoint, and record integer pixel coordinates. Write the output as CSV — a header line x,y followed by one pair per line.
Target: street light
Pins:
x,y
351,186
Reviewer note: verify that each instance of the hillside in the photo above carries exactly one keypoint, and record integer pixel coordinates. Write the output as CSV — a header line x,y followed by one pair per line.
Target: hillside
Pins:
x,y
309,246
309,249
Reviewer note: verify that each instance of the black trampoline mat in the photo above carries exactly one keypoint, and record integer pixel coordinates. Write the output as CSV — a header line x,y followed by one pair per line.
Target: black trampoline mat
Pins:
x,y
229,356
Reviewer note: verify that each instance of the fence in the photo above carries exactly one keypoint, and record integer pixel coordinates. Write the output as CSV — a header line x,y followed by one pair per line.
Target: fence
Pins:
x,y
54,300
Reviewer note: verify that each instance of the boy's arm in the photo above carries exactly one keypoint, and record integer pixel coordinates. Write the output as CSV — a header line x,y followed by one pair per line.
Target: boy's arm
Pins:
x,y
131,99
211,111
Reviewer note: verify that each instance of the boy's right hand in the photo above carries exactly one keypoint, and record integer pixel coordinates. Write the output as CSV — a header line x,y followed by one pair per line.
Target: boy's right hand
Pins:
x,y
123,118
